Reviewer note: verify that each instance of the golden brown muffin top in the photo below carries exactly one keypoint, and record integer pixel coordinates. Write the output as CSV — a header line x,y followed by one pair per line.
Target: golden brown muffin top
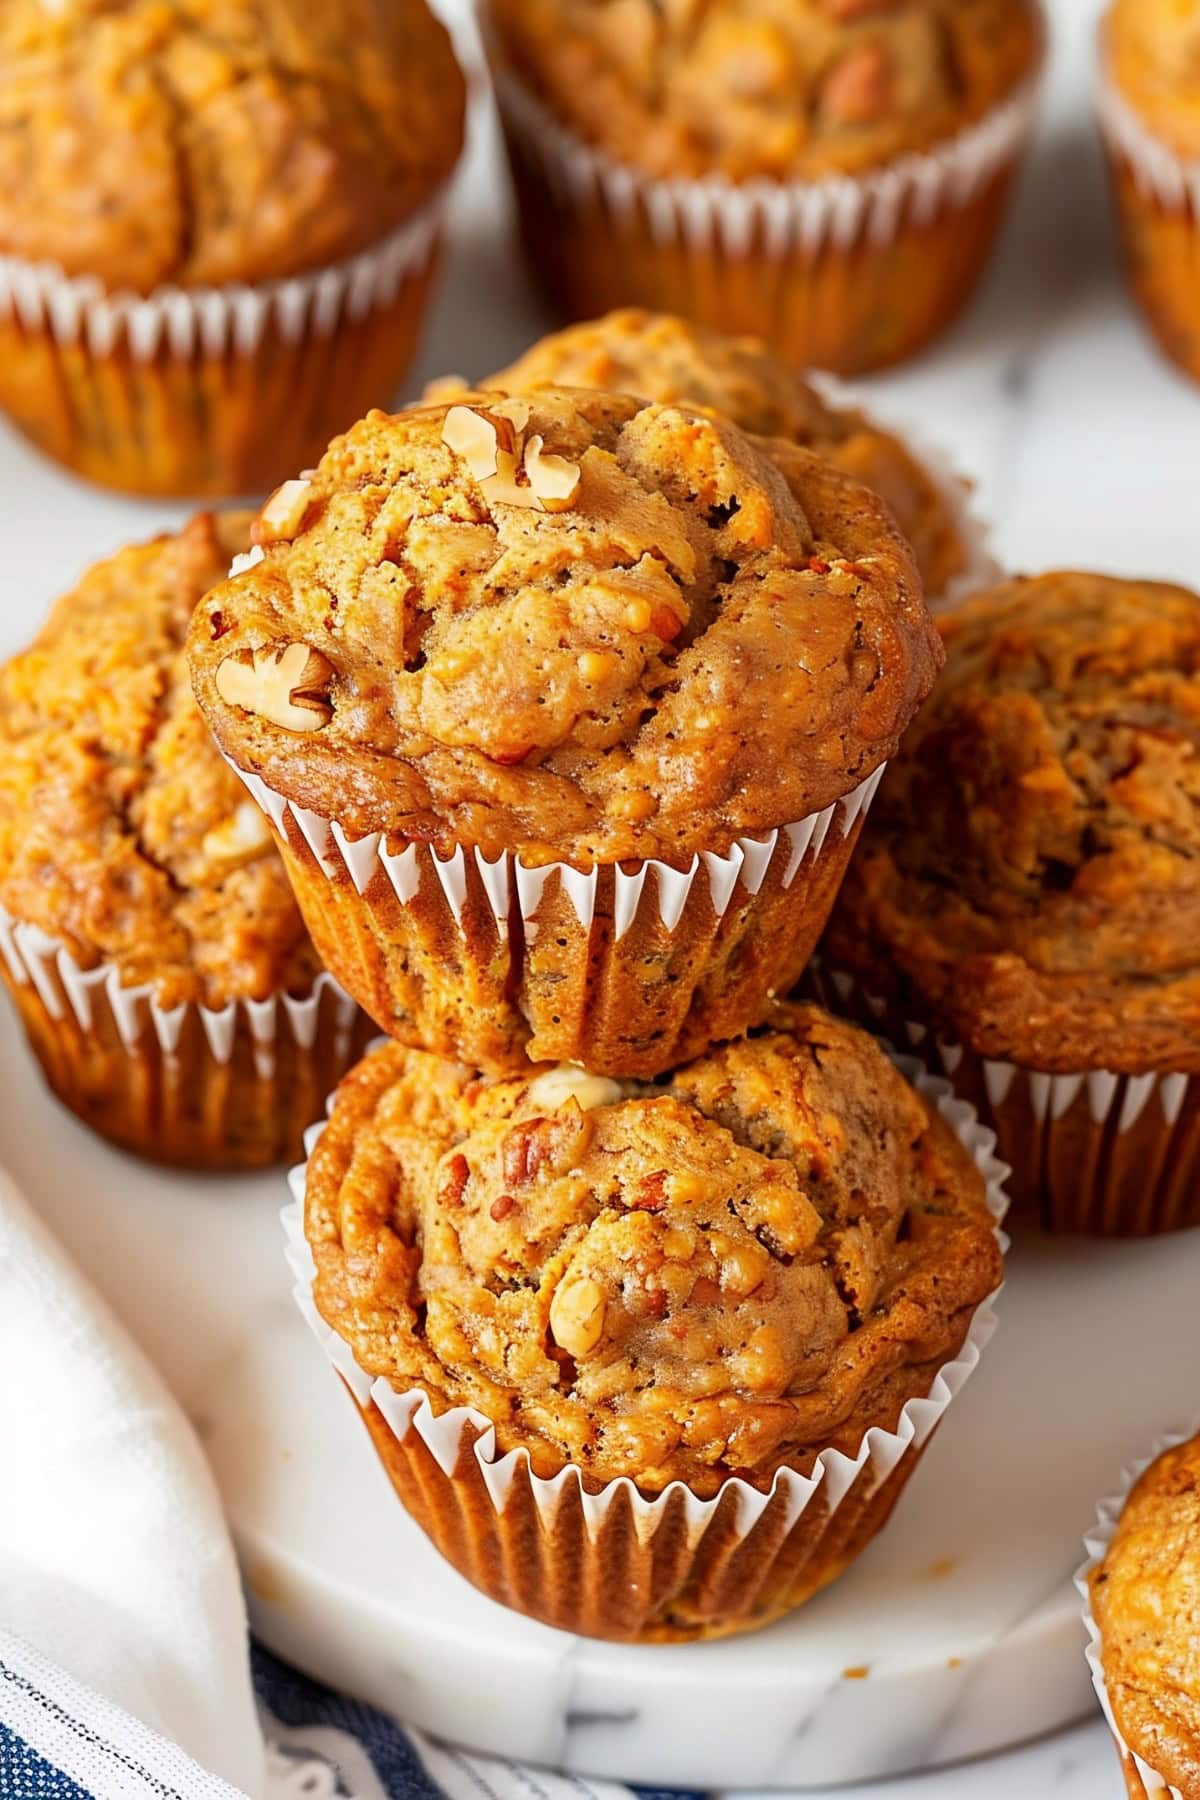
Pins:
x,y
783,89
1152,52
638,634
716,1275
1146,1601
123,833
668,359
197,142
1031,866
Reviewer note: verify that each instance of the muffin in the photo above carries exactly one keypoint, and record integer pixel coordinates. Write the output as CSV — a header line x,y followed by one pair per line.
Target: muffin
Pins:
x,y
828,175
218,221
607,1337
148,934
1150,51
1028,894
1142,1587
667,359
566,709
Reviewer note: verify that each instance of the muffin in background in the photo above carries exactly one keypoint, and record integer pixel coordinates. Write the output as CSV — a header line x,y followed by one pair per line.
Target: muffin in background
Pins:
x,y
566,708
1026,897
705,1285
148,935
1141,1586
829,177
217,227
667,359
1150,51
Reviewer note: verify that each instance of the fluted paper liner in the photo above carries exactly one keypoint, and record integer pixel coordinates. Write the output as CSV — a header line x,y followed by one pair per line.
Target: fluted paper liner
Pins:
x,y
1157,197
221,1087
1096,1544
613,1562
1092,1153
210,390
627,968
846,272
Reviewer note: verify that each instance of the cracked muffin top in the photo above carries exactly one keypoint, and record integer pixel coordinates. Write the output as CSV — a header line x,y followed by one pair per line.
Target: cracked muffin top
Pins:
x,y
753,1260
123,834
1152,52
668,359
197,142
1146,1601
783,89
1031,866
571,625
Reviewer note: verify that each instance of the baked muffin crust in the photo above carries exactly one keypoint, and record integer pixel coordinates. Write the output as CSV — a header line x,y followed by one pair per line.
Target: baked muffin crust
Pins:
x,y
756,88
1146,1601
123,834
206,141
701,638
668,359
734,1269
1152,52
1031,867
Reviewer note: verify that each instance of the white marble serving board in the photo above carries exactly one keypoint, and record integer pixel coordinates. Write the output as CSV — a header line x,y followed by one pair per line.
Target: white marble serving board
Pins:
x,y
1087,450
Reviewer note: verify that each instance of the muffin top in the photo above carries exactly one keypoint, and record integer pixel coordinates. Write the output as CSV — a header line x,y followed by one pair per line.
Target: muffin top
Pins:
x,y
668,359
196,142
123,834
1146,1602
758,1258
782,89
1152,51
572,625
1031,866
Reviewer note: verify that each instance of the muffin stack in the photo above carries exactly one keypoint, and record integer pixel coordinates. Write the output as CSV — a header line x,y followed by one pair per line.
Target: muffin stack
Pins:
x,y
566,708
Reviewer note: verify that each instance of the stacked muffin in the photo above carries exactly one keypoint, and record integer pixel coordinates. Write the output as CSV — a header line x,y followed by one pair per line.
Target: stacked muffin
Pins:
x,y
566,707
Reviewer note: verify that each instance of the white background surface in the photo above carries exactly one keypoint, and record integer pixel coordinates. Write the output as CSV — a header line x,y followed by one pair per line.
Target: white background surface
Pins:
x,y
1086,449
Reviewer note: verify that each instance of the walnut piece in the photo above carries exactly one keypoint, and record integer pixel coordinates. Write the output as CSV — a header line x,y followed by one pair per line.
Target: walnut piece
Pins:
x,y
577,1316
285,683
510,472
474,438
554,480
283,513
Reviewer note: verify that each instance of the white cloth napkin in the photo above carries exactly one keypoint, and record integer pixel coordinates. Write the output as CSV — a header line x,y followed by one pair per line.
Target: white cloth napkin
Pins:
x,y
115,1563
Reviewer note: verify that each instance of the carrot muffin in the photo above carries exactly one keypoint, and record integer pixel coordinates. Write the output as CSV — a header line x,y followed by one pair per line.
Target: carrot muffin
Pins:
x,y
710,1282
1145,1606
566,709
829,175
218,221
147,930
1029,892
1150,112
668,359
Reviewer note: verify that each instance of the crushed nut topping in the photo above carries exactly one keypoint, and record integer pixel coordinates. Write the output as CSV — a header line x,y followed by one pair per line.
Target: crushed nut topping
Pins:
x,y
510,471
577,1316
284,683
283,514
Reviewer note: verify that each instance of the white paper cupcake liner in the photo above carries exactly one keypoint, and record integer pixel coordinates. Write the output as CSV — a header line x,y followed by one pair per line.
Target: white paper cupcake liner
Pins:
x,y
1096,1544
1160,174
834,1473
981,568
514,889
214,321
800,218
1121,1099
65,989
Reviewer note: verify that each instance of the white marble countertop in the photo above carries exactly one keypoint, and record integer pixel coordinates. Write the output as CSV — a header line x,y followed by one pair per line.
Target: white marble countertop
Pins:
x,y
1083,443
